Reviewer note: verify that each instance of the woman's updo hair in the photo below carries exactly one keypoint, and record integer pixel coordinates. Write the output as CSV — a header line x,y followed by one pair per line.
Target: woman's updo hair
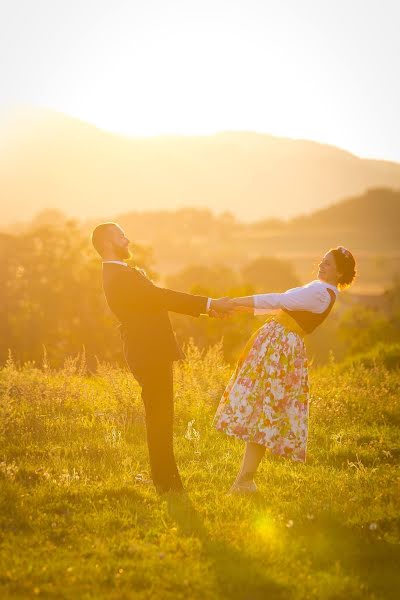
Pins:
x,y
345,264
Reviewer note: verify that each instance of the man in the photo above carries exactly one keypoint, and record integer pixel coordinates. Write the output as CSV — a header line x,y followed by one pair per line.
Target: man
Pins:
x,y
149,343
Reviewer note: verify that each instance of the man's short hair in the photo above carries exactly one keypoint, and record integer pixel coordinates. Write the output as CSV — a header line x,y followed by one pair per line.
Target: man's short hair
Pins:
x,y
99,235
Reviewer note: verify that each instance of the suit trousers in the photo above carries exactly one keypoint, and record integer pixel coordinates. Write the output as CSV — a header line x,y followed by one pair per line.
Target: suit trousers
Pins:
x,y
157,395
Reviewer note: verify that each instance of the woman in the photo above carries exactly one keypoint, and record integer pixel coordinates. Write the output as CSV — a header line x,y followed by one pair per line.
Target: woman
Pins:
x,y
266,401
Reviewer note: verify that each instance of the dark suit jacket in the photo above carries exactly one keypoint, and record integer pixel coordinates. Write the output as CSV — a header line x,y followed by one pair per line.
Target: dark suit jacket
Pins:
x,y
141,307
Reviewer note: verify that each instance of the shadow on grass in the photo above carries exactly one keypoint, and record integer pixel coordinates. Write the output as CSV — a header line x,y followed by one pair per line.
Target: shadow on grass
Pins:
x,y
238,576
361,553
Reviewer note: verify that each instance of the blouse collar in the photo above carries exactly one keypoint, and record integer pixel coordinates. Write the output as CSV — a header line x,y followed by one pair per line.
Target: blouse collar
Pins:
x,y
329,285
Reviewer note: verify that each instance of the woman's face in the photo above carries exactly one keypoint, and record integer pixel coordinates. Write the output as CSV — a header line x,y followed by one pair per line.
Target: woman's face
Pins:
x,y
327,269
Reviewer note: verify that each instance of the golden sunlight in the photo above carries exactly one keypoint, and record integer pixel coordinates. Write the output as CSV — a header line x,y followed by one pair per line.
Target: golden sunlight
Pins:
x,y
199,300
191,86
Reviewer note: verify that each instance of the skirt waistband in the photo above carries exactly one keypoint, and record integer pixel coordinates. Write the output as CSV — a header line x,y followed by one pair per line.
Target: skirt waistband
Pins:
x,y
284,319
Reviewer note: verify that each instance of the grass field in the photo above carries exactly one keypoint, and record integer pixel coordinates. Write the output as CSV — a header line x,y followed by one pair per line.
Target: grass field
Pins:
x,y
79,519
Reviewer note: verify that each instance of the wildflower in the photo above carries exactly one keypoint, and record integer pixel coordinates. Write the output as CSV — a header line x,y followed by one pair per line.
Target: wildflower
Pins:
x,y
191,433
113,437
193,436
9,470
289,524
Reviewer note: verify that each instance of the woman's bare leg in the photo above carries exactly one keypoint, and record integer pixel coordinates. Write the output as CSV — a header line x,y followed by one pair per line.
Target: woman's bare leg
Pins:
x,y
252,457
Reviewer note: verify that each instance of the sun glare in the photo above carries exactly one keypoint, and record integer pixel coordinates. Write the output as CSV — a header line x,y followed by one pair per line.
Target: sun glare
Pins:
x,y
154,68
199,80
266,528
198,91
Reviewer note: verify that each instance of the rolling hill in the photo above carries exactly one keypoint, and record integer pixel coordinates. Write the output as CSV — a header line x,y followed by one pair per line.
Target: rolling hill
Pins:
x,y
50,160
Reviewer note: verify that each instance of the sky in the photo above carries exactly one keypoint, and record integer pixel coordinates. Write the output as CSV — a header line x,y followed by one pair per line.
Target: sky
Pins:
x,y
325,70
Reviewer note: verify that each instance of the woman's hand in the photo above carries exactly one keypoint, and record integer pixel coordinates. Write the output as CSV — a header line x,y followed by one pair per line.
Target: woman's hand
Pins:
x,y
224,307
238,308
221,307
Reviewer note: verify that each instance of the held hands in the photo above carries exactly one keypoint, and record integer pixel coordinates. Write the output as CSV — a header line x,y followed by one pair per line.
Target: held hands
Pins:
x,y
223,308
220,308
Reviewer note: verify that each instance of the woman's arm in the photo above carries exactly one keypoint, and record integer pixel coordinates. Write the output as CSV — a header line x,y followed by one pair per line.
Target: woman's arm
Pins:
x,y
257,304
313,297
243,302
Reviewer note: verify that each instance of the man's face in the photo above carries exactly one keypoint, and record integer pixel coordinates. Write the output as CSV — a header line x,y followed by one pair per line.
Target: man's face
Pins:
x,y
119,242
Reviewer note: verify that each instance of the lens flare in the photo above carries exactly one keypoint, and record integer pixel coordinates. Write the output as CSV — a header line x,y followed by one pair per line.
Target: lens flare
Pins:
x,y
267,529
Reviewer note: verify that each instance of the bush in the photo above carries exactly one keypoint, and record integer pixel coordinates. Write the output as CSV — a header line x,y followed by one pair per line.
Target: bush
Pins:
x,y
386,355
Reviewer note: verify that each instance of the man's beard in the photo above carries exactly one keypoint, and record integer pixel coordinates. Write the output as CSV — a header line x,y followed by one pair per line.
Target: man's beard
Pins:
x,y
122,253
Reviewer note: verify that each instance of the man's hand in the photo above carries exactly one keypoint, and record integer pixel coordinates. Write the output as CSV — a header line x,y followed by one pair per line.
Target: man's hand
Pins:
x,y
221,308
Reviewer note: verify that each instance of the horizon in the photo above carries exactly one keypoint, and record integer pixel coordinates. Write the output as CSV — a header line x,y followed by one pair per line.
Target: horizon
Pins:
x,y
48,146
7,115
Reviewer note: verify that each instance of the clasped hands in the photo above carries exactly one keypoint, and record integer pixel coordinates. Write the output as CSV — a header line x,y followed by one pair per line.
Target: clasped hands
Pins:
x,y
222,308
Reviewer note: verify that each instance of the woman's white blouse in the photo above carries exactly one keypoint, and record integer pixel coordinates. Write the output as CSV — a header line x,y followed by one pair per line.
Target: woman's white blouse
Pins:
x,y
313,297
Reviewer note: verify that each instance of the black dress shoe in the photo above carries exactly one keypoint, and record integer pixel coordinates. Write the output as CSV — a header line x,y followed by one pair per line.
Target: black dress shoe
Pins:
x,y
161,490
172,486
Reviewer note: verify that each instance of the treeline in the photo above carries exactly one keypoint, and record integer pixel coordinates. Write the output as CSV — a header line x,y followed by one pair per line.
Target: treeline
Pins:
x,y
51,293
368,224
51,300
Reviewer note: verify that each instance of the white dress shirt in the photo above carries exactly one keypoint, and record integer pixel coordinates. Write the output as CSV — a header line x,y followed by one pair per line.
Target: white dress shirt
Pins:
x,y
313,297
120,262
115,262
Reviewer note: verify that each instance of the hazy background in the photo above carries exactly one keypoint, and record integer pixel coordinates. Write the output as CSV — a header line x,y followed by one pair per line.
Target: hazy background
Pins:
x,y
235,142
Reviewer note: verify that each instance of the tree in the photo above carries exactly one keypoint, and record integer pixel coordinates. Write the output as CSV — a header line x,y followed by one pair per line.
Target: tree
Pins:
x,y
213,281
269,274
51,295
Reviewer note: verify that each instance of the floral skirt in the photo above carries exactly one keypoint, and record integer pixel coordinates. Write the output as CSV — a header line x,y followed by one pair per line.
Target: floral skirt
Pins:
x,y
266,400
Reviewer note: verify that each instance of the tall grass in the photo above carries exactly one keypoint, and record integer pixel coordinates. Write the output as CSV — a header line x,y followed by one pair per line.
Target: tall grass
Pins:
x,y
79,518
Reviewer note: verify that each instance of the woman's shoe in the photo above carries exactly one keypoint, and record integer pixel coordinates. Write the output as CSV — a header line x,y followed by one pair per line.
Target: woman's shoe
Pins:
x,y
243,487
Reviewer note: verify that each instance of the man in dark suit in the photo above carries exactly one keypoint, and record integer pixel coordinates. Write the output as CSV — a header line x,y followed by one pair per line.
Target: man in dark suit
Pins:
x,y
149,343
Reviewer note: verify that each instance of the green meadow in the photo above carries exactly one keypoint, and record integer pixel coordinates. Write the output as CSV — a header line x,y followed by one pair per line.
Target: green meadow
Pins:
x,y
80,520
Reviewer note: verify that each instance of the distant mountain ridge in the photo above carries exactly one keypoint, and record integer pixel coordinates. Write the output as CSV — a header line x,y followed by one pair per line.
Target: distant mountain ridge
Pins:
x,y
377,210
49,160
